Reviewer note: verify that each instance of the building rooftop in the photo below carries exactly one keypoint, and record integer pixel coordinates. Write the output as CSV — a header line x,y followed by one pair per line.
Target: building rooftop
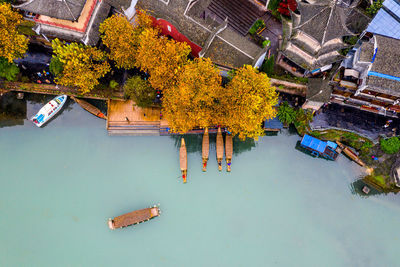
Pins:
x,y
387,20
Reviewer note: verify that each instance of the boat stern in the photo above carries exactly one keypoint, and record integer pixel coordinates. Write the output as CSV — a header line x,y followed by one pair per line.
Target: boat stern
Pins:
x,y
111,224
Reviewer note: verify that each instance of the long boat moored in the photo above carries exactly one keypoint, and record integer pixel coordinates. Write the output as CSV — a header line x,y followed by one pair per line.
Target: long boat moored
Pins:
x,y
220,149
89,107
183,160
49,110
228,151
205,149
134,217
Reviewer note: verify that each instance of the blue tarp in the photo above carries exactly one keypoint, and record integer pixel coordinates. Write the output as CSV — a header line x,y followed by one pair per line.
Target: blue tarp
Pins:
x,y
313,143
275,123
331,144
385,76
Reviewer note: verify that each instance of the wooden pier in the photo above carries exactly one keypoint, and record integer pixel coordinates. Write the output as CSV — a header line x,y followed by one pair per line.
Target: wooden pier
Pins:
x,y
205,149
228,151
220,149
134,217
183,159
89,107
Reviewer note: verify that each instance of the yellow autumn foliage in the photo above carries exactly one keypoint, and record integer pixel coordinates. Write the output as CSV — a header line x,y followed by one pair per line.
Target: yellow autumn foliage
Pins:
x,y
193,102
83,65
162,58
12,44
121,37
247,101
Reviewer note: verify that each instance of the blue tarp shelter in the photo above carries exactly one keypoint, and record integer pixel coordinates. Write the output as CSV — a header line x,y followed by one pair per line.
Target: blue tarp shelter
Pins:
x,y
313,143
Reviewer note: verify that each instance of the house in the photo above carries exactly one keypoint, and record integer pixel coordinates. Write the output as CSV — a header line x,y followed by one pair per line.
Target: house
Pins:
x,y
314,37
76,20
370,78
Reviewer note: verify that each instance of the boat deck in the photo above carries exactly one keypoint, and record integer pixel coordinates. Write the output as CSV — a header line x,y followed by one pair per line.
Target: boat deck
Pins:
x,y
134,217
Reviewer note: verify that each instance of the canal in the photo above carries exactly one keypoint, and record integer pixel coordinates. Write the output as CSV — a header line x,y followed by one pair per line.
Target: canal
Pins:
x,y
59,185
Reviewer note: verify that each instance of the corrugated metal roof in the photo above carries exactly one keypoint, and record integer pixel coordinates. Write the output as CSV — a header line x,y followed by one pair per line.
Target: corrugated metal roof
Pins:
x,y
387,20
313,143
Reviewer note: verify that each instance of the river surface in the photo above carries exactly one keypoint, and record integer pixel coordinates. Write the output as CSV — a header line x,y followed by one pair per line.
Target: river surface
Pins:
x,y
279,207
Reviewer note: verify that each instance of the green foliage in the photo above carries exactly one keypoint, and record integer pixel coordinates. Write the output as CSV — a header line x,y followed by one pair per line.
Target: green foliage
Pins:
x,y
374,8
286,113
352,40
268,66
302,120
256,26
379,179
273,5
26,28
8,70
139,91
366,147
113,84
390,145
56,66
266,43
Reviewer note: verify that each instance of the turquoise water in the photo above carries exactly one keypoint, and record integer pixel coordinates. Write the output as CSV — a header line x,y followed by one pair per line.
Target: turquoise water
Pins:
x,y
279,207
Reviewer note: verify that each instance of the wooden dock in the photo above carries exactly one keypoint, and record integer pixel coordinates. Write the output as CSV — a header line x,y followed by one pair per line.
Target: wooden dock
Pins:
x,y
351,154
183,160
89,107
228,151
205,149
220,149
134,217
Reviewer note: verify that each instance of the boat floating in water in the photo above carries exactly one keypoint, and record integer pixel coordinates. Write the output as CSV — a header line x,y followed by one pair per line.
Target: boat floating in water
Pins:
x,y
89,107
49,110
317,148
134,217
351,154
220,149
205,149
183,160
228,151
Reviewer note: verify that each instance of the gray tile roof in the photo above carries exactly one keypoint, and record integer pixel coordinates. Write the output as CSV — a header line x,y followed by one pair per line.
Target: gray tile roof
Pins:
x,y
64,9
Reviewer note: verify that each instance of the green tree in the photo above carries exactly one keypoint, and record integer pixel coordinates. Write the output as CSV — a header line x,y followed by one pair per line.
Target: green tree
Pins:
x,y
56,66
374,8
286,113
302,120
8,70
140,92
268,66
390,145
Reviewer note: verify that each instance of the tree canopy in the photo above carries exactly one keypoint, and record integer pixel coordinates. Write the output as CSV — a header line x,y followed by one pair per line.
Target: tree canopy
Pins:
x,y
82,66
286,113
247,101
194,101
12,44
140,91
162,58
121,37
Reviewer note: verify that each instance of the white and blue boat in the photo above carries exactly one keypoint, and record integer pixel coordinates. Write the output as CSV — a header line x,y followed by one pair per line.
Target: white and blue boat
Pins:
x,y
49,110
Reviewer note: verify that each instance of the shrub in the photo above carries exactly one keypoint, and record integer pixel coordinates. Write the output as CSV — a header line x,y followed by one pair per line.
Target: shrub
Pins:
x,y
374,8
140,91
256,26
302,120
266,43
113,84
390,145
268,66
366,146
8,70
286,113
56,66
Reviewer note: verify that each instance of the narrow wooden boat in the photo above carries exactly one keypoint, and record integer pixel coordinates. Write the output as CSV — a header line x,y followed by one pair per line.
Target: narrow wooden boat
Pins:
x,y
228,151
351,154
205,149
89,107
134,217
49,110
183,160
220,149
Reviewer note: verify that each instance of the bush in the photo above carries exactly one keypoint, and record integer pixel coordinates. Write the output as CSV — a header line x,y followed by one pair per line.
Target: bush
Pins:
x,y
256,26
286,113
113,84
268,66
8,70
140,91
390,145
266,43
56,66
302,120
374,8
366,146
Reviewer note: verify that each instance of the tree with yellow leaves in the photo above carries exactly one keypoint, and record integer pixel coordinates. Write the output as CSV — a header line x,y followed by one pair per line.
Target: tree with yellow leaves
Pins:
x,y
82,66
193,102
248,100
12,44
162,58
121,37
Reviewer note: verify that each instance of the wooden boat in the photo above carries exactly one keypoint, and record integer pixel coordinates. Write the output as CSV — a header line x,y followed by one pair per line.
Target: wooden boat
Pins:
x,y
351,154
220,149
89,107
228,151
134,217
49,110
205,149
183,160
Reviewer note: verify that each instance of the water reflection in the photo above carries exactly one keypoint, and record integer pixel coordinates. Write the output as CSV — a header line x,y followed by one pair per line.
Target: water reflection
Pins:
x,y
357,189
12,110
